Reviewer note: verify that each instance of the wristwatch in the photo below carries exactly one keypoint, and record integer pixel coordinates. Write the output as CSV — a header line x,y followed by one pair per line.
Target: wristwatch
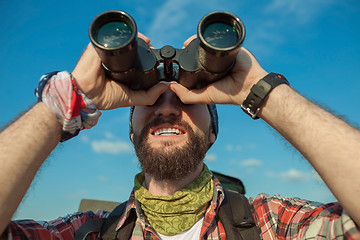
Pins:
x,y
260,91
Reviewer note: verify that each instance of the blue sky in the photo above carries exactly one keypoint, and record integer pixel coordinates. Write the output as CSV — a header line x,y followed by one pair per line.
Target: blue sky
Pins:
x,y
315,44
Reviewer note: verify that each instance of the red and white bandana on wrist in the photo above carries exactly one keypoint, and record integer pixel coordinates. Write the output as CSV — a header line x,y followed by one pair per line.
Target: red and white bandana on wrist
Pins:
x,y
58,91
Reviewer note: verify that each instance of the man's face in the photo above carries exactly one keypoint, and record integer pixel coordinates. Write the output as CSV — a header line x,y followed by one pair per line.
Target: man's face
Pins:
x,y
171,138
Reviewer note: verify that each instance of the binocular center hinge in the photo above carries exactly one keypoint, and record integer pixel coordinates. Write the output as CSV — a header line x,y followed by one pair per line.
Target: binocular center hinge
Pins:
x,y
167,52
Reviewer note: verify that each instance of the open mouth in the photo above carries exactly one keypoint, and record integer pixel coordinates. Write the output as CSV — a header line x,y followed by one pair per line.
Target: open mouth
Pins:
x,y
168,132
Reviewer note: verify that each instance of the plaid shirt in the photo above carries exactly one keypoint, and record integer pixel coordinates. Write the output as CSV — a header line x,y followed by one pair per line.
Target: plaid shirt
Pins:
x,y
276,217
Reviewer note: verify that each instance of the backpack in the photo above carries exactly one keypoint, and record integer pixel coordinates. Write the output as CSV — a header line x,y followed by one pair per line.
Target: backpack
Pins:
x,y
234,213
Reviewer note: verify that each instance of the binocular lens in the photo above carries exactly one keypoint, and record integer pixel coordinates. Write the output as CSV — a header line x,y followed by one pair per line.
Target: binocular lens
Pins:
x,y
114,34
220,35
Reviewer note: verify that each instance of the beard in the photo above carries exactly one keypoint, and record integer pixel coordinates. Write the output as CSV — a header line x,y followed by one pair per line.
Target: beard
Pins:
x,y
170,162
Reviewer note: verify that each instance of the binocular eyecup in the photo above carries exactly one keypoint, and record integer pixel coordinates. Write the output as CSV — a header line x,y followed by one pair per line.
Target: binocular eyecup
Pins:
x,y
130,61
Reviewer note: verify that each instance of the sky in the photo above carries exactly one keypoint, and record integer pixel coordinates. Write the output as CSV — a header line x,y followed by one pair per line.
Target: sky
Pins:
x,y
315,44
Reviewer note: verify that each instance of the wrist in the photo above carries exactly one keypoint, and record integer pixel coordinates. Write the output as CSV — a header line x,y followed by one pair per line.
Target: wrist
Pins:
x,y
49,119
250,81
259,93
271,106
73,110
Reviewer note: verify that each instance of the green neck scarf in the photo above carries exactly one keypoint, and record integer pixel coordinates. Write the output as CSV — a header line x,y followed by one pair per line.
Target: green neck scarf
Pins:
x,y
170,215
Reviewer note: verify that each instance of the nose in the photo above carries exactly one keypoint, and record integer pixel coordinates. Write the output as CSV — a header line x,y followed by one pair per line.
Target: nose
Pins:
x,y
168,104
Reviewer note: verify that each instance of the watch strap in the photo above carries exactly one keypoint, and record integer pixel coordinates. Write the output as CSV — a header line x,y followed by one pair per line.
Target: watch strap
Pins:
x,y
260,91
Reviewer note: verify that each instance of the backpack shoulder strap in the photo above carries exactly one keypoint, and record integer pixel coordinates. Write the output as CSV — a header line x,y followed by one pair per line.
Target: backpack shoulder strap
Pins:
x,y
88,227
106,226
236,216
108,230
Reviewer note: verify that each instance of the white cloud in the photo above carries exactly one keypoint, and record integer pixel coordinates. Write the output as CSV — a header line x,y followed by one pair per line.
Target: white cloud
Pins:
x,y
231,147
167,21
250,165
210,157
84,138
293,175
302,11
102,178
111,147
280,18
109,135
251,162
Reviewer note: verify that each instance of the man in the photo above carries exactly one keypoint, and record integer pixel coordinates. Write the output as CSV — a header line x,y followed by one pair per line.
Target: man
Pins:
x,y
172,128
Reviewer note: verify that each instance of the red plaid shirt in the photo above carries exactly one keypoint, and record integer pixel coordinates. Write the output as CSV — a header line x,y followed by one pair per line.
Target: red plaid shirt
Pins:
x,y
276,217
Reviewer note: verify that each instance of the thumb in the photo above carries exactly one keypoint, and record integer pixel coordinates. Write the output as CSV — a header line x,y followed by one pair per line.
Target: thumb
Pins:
x,y
147,97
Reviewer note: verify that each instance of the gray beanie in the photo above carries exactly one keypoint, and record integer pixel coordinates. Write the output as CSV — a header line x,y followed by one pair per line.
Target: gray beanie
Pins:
x,y
213,115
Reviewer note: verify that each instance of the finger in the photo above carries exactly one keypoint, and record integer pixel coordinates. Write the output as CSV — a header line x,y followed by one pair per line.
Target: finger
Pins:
x,y
146,39
143,37
147,97
186,43
191,96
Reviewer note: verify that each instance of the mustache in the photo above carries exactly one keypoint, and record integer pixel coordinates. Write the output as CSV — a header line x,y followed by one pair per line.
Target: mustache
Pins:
x,y
169,120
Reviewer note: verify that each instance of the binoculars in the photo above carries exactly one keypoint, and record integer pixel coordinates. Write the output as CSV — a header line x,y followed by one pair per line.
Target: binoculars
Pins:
x,y
130,61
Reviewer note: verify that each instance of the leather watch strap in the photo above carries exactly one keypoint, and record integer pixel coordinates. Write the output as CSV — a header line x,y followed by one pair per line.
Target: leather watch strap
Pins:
x,y
260,91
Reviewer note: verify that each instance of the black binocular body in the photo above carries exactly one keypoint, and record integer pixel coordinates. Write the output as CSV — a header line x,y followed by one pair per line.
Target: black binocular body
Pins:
x,y
130,61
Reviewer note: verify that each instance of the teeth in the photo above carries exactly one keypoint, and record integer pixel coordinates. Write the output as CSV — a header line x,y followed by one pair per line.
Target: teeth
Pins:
x,y
168,132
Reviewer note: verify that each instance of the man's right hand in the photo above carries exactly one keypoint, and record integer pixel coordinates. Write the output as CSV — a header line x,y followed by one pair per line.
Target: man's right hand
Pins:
x,y
232,89
106,93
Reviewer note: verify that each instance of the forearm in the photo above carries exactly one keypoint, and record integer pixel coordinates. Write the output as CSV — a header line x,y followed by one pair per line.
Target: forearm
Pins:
x,y
329,144
24,146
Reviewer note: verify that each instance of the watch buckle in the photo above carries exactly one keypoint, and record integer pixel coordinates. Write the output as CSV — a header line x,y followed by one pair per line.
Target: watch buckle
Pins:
x,y
248,111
